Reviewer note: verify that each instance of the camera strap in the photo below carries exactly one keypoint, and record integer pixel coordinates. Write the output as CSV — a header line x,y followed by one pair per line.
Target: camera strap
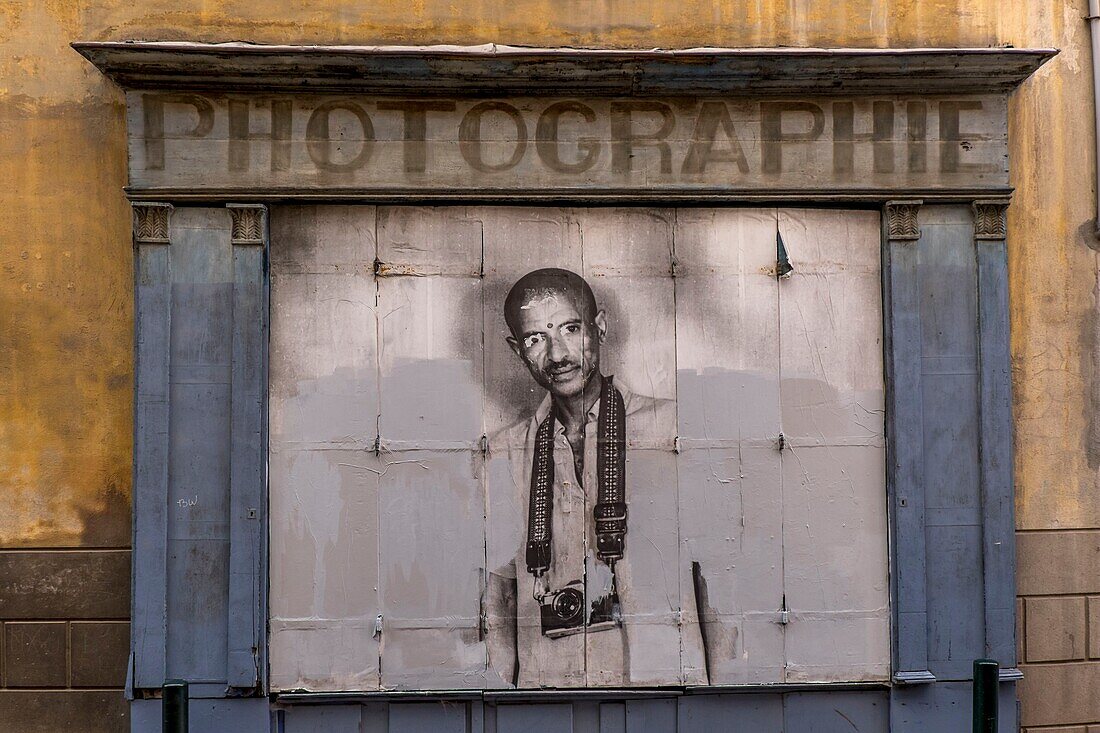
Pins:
x,y
610,510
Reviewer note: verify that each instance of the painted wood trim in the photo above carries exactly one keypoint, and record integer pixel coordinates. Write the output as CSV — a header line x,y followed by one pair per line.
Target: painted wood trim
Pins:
x,y
995,405
498,70
152,329
572,196
905,440
247,483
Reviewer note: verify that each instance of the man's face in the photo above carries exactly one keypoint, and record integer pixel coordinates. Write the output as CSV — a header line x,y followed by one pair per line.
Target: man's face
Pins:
x,y
559,343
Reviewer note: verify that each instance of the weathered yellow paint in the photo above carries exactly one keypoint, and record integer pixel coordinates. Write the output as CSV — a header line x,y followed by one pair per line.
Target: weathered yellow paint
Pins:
x,y
1053,271
65,314
65,291
66,303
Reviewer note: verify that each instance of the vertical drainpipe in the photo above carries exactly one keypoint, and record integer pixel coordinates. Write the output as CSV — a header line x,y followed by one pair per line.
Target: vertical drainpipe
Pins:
x,y
1094,28
1094,32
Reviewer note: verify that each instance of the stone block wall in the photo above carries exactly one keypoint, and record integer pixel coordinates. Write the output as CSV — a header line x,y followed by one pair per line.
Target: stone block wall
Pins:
x,y
64,640
1059,630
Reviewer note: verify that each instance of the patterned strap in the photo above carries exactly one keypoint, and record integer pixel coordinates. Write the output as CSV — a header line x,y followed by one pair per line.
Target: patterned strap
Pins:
x,y
539,532
610,510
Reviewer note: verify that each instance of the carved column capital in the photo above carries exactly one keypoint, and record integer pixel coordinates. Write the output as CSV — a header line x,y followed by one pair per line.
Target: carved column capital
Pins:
x,y
151,222
248,223
990,221
902,221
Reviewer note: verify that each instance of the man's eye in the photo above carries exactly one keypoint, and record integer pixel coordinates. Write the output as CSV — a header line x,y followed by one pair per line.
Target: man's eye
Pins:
x,y
571,327
532,340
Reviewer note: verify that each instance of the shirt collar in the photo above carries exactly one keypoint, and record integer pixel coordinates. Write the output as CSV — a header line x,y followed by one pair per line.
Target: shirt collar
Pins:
x,y
543,409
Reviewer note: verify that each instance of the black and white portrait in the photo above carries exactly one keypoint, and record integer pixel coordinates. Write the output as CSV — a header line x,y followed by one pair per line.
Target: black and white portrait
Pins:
x,y
539,447
566,603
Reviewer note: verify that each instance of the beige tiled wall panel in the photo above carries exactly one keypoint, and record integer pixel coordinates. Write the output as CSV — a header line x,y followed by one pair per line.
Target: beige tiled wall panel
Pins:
x,y
1094,626
1059,581
1055,629
1061,694
1058,562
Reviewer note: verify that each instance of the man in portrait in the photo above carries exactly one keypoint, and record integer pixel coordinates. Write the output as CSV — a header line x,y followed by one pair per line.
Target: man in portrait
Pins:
x,y
580,495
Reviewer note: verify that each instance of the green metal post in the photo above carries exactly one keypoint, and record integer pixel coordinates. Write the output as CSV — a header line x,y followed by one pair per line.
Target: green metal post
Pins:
x,y
174,706
986,673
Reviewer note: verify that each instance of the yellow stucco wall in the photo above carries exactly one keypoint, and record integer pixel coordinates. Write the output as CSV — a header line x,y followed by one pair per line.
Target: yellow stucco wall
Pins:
x,y
65,285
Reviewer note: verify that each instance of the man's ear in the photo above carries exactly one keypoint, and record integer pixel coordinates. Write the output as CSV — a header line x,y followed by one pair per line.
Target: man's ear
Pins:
x,y
514,343
601,325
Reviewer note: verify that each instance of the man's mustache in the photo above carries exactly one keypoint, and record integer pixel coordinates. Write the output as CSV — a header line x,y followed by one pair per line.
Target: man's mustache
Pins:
x,y
558,367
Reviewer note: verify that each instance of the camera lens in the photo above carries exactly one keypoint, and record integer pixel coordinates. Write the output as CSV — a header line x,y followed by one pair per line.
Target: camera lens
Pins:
x,y
567,605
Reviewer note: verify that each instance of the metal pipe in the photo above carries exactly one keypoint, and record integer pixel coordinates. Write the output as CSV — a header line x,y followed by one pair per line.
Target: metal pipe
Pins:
x,y
1094,30
174,706
986,681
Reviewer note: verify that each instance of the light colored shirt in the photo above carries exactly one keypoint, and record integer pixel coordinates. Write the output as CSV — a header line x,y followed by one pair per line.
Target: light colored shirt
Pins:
x,y
658,641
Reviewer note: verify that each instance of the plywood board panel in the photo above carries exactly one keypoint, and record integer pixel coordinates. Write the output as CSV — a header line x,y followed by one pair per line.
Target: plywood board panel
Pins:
x,y
324,360
429,240
322,239
431,569
832,397
517,241
626,242
727,324
324,569
831,327
727,318
732,562
430,376
837,589
323,486
627,259
646,651
504,535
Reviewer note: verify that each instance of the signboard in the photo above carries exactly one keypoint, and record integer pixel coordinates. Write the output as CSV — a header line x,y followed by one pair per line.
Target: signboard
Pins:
x,y
570,447
296,143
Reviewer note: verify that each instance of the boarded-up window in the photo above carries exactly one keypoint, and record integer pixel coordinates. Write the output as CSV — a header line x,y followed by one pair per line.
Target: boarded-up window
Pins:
x,y
575,447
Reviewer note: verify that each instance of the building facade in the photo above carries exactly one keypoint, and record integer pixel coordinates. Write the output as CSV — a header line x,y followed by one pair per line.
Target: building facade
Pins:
x,y
75,141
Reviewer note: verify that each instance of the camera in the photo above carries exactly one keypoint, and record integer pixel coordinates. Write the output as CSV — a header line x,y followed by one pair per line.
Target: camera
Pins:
x,y
562,611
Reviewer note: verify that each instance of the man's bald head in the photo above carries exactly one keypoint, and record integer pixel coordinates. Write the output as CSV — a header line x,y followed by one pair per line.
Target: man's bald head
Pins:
x,y
556,330
547,282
